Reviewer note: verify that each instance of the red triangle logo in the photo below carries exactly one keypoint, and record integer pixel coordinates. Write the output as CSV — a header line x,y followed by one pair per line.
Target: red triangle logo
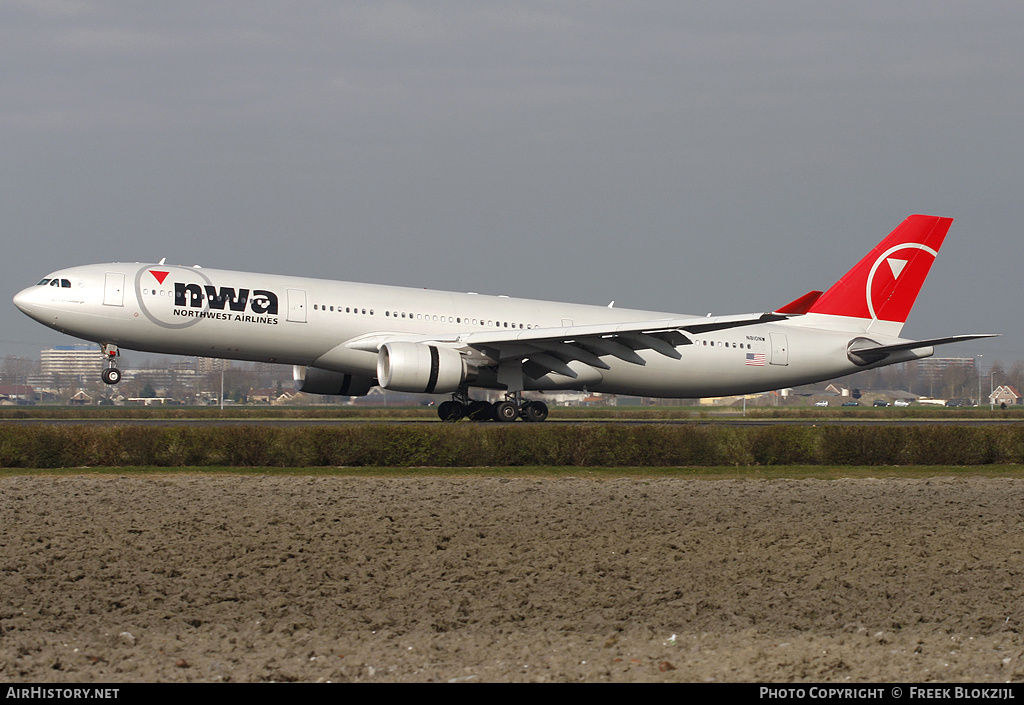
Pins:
x,y
160,276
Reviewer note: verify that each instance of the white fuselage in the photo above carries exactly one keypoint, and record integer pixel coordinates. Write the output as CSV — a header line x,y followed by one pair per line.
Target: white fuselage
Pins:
x,y
334,325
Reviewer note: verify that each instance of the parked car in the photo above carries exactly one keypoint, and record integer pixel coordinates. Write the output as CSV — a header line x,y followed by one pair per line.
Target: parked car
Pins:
x,y
955,402
851,403
880,402
902,402
821,403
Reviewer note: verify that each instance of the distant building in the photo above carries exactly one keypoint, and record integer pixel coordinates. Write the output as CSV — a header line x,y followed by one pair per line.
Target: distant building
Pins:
x,y
81,398
932,369
1005,394
206,365
71,362
15,393
263,396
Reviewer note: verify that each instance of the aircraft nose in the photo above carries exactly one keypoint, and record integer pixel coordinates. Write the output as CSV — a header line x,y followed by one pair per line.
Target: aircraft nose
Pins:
x,y
24,300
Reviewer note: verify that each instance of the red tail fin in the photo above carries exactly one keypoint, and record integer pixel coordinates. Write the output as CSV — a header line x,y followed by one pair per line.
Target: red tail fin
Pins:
x,y
885,284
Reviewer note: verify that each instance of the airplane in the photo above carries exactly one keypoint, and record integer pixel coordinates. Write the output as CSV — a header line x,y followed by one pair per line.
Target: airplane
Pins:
x,y
344,338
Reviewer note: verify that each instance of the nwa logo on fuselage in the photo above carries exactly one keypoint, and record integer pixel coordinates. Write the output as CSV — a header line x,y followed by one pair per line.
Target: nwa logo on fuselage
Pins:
x,y
259,301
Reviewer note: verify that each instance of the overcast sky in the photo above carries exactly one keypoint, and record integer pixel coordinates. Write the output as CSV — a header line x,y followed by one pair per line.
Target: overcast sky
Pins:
x,y
685,157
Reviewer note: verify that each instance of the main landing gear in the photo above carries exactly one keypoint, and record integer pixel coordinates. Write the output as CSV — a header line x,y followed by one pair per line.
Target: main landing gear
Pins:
x,y
111,375
510,409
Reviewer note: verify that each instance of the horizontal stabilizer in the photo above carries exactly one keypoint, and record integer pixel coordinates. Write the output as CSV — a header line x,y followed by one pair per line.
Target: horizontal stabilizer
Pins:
x,y
863,349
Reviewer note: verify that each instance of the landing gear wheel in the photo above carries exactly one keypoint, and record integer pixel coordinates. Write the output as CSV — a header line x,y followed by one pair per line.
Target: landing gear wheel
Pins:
x,y
506,411
450,411
535,411
479,411
111,375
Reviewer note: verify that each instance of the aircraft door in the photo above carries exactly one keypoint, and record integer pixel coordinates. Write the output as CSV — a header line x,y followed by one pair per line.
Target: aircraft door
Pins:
x,y
780,349
297,305
113,289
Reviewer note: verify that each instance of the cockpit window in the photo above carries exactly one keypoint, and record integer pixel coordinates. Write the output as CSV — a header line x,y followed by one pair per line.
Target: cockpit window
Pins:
x,y
63,283
43,282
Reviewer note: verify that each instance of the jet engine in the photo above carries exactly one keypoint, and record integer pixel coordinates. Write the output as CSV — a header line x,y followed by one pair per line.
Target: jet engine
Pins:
x,y
313,380
420,368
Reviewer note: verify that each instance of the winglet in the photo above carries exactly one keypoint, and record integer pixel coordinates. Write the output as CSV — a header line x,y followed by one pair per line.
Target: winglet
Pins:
x,y
884,285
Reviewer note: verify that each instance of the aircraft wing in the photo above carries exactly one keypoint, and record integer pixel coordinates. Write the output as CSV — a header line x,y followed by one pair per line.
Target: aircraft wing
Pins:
x,y
552,348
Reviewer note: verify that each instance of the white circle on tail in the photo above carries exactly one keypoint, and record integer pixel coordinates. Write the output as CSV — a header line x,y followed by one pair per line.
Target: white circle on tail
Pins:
x,y
896,267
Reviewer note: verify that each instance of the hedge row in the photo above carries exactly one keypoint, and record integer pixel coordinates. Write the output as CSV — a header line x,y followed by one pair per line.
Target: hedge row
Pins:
x,y
463,445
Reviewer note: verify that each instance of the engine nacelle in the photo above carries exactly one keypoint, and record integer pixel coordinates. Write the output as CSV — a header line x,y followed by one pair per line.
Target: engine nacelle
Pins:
x,y
420,368
313,380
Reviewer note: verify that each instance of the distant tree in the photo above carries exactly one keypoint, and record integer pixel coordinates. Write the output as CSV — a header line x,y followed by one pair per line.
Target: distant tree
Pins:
x,y
147,391
16,370
1015,375
997,371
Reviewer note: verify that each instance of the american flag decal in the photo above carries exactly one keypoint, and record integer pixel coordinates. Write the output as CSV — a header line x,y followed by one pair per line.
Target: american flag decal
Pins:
x,y
755,359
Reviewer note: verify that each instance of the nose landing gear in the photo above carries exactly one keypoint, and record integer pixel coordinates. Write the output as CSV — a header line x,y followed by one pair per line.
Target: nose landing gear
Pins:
x,y
111,375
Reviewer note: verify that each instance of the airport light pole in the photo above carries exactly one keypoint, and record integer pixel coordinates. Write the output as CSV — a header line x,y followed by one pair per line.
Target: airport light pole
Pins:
x,y
979,380
991,391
